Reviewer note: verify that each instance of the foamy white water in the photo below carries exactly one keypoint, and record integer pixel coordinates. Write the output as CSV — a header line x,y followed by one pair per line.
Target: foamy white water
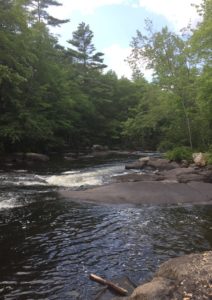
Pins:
x,y
10,203
92,177
25,179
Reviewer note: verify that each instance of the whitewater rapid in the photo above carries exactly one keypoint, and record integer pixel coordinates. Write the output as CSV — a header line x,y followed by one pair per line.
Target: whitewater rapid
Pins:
x,y
18,185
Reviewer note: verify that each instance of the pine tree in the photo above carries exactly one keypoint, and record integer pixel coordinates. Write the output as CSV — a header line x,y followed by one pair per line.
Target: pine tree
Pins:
x,y
84,53
39,11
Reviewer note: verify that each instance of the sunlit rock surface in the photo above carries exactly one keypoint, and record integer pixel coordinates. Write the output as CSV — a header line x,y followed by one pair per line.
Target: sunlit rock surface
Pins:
x,y
183,278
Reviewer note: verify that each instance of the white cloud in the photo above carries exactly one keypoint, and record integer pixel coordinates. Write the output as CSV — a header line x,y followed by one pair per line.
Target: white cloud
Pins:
x,y
115,58
84,6
179,12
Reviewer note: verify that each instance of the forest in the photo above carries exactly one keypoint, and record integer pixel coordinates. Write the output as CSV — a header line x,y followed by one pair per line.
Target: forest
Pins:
x,y
54,98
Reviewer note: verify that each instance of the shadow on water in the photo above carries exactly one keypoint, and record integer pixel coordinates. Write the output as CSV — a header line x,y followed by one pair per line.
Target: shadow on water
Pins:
x,y
50,245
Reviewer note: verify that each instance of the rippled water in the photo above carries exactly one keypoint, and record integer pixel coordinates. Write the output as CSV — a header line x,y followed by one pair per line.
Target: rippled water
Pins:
x,y
49,245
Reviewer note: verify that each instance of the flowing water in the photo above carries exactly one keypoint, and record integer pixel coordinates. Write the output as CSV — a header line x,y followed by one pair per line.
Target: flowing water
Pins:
x,y
49,245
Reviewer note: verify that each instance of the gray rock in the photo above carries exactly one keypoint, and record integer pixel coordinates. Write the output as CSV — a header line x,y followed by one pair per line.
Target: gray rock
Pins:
x,y
138,177
99,148
155,192
136,165
184,178
36,157
152,163
162,164
145,159
183,175
187,277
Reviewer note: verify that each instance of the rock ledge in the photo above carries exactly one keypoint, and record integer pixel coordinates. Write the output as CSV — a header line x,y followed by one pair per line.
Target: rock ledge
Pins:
x,y
183,278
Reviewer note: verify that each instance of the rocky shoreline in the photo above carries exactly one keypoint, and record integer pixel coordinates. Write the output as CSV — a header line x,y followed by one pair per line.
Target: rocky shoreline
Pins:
x,y
187,277
159,169
157,181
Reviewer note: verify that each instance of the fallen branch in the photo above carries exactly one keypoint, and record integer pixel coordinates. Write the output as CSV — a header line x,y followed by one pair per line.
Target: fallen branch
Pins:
x,y
110,284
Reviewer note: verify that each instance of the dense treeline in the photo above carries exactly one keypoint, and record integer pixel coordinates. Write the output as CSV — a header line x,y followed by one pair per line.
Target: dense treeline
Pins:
x,y
54,98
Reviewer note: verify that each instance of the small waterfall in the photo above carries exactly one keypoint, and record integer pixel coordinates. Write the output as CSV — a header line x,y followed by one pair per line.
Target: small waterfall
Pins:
x,y
86,178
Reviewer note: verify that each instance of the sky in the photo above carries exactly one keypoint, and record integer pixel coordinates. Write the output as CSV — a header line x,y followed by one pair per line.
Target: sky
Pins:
x,y
114,24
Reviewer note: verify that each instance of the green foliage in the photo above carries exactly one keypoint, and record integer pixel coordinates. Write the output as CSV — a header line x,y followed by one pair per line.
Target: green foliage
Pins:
x,y
39,12
180,153
209,155
52,97
84,53
201,39
209,158
165,146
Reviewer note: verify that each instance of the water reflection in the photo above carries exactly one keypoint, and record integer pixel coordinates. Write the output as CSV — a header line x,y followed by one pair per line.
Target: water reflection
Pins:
x,y
48,248
49,245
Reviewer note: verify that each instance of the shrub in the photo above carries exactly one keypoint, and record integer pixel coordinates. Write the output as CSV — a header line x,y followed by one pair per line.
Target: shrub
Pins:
x,y
209,158
180,153
165,146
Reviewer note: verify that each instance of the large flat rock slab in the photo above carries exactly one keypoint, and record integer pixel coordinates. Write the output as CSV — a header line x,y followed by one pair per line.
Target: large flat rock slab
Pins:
x,y
145,193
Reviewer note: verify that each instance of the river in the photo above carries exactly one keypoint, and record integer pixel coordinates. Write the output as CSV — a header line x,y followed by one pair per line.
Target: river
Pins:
x,y
49,245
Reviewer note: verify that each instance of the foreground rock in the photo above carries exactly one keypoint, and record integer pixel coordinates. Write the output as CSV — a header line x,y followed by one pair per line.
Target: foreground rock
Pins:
x,y
183,278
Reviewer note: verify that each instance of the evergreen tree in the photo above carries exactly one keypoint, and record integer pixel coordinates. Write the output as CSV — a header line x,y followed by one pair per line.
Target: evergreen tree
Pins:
x,y
84,53
39,11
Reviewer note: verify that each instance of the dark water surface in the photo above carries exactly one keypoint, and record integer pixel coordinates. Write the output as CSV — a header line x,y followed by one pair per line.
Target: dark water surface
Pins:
x,y
49,245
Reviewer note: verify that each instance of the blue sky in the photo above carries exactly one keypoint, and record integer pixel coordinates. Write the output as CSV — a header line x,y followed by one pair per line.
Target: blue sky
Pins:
x,y
114,23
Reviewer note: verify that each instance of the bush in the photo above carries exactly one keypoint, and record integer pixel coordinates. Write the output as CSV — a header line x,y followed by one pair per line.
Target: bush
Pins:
x,y
165,146
209,158
180,153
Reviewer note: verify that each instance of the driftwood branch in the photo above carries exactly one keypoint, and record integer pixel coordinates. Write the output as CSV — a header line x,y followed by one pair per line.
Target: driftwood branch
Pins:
x,y
110,284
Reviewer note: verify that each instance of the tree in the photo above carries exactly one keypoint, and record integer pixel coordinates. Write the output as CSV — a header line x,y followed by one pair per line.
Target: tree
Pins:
x,y
201,39
39,11
167,54
201,45
15,68
84,53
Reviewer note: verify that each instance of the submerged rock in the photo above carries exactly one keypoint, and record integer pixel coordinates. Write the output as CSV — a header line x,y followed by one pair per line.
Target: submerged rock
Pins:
x,y
182,278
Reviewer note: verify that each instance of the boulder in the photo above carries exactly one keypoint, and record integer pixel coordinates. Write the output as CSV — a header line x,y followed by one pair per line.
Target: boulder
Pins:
x,y
162,164
184,175
144,159
136,165
99,148
152,164
184,163
183,278
36,157
199,159
138,177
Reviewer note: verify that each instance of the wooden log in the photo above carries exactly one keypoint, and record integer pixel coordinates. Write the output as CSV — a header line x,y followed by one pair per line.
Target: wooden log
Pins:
x,y
119,290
